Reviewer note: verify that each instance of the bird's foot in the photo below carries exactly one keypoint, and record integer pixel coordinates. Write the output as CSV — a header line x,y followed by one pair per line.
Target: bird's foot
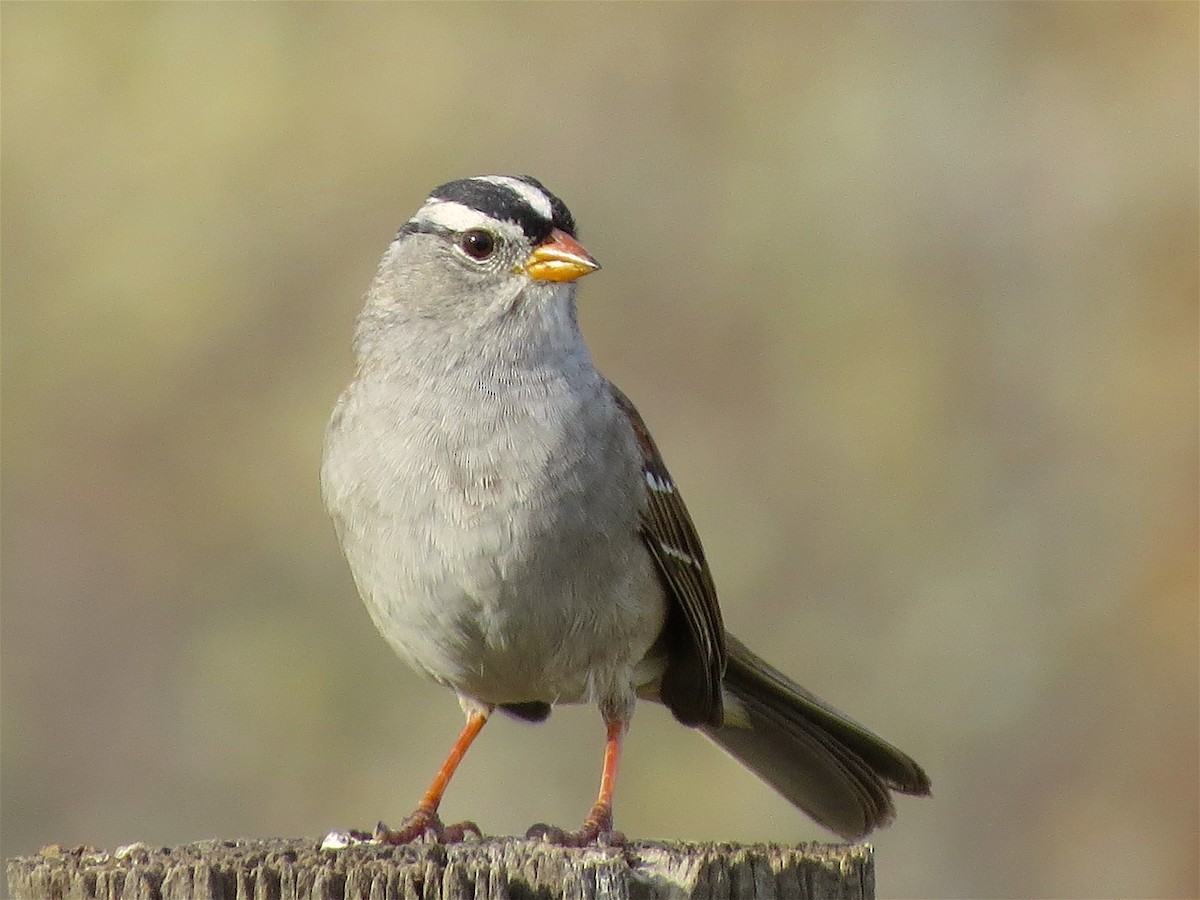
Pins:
x,y
424,824
597,829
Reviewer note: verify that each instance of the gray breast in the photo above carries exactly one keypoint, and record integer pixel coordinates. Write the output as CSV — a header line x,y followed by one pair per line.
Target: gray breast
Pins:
x,y
498,551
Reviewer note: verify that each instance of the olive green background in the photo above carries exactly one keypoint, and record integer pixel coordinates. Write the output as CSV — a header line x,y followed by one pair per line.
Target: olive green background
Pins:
x,y
907,293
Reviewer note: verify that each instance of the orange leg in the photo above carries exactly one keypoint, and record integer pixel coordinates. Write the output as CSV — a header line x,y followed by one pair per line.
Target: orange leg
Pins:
x,y
601,814
597,827
425,818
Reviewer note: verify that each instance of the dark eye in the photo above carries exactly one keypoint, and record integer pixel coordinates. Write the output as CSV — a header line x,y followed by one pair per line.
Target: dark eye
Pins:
x,y
477,243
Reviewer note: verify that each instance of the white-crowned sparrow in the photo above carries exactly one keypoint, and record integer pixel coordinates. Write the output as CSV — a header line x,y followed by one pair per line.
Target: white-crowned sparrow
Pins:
x,y
515,534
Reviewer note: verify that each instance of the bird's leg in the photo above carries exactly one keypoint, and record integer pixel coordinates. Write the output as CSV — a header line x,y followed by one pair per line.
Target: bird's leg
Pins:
x,y
597,827
425,818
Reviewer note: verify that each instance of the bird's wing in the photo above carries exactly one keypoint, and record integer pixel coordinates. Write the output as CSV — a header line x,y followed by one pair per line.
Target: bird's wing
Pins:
x,y
694,636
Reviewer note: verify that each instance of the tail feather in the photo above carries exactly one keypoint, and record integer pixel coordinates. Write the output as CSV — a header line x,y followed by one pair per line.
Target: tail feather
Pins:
x,y
821,760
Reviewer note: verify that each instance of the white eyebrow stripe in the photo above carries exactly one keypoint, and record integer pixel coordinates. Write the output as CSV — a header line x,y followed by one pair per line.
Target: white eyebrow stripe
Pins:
x,y
536,199
452,215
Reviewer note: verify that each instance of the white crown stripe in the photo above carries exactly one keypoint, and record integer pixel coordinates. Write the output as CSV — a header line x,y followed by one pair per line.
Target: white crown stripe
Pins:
x,y
537,200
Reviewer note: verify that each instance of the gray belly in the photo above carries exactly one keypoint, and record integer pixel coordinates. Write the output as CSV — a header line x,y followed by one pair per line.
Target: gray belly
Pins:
x,y
504,610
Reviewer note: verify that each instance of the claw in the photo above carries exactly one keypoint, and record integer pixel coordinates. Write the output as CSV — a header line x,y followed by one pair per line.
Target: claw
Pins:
x,y
548,833
425,824
597,829
457,833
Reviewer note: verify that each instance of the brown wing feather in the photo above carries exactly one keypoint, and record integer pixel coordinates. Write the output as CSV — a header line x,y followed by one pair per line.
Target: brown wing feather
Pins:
x,y
694,636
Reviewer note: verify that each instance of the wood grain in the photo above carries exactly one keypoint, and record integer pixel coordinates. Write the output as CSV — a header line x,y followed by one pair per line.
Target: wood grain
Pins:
x,y
489,869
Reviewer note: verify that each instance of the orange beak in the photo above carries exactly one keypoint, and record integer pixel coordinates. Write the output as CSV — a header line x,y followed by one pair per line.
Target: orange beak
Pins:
x,y
559,258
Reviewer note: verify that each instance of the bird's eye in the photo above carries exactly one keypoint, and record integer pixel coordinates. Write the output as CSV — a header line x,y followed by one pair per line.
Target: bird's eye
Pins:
x,y
477,243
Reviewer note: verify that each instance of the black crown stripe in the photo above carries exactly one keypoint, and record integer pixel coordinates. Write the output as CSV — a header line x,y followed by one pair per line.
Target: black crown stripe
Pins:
x,y
503,203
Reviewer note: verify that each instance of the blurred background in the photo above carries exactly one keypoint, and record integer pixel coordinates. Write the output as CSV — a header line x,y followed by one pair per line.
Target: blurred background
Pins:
x,y
908,295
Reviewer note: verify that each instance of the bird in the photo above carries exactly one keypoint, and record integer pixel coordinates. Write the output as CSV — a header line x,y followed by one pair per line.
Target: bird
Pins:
x,y
516,536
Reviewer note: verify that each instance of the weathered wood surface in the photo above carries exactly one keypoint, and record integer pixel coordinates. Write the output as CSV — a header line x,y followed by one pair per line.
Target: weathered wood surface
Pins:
x,y
487,869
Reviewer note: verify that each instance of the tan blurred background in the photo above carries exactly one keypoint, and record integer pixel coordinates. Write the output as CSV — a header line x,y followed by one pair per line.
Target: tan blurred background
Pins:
x,y
908,294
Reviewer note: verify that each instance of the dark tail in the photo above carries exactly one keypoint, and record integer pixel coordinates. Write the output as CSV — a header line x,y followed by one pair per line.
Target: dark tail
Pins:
x,y
828,765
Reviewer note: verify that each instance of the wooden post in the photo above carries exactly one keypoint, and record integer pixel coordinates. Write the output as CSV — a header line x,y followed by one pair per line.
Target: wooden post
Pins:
x,y
488,869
